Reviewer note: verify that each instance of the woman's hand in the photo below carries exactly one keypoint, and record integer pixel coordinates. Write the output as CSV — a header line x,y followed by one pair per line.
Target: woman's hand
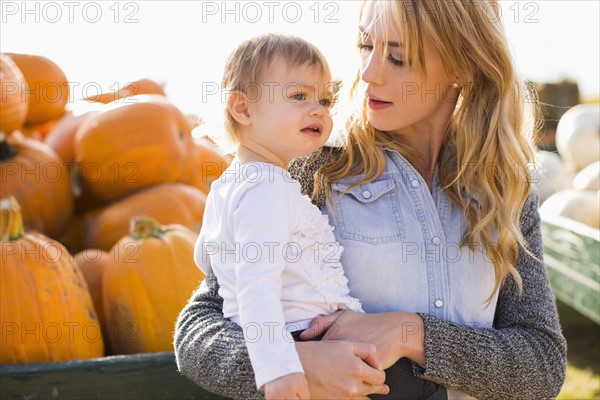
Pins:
x,y
394,334
290,387
341,370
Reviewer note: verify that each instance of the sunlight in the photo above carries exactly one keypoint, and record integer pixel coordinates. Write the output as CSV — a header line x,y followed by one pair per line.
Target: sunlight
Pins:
x,y
102,45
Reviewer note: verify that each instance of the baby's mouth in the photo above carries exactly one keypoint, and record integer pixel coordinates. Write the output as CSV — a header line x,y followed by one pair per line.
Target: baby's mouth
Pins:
x,y
313,129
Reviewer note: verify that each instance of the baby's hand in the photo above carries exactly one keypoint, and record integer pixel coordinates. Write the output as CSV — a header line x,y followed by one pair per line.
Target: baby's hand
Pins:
x,y
288,387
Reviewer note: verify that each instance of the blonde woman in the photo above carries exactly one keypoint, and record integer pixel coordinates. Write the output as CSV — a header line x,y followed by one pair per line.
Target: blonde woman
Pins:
x,y
430,199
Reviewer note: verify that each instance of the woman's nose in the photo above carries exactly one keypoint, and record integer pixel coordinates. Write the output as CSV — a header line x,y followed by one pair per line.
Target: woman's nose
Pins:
x,y
372,69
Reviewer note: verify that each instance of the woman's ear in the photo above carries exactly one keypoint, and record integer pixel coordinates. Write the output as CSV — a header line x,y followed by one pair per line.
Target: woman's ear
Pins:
x,y
239,107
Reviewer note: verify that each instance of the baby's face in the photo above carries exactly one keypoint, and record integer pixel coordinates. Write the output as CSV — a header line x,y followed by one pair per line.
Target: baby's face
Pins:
x,y
290,109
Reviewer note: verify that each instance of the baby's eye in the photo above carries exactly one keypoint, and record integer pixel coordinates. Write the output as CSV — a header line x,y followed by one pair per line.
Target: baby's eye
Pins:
x,y
299,96
326,102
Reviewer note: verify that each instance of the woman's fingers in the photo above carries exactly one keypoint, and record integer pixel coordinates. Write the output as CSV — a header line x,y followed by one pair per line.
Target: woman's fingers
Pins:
x,y
368,353
339,369
371,373
378,389
319,325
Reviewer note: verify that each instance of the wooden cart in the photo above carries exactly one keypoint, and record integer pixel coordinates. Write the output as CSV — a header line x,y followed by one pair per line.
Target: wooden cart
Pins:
x,y
139,376
572,257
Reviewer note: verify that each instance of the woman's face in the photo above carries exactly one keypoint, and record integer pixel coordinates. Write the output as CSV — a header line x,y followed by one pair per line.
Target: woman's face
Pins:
x,y
398,99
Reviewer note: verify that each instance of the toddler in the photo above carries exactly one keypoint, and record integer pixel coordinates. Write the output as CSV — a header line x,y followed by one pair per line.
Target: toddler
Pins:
x,y
271,249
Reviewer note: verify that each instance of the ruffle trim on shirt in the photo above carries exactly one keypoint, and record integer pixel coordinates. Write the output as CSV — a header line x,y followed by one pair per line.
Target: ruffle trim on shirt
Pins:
x,y
321,255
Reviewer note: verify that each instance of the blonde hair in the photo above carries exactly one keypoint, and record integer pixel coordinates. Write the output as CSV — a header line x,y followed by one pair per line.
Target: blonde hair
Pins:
x,y
252,57
487,146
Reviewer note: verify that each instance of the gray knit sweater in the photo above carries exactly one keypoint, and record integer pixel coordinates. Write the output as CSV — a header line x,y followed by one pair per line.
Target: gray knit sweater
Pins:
x,y
522,357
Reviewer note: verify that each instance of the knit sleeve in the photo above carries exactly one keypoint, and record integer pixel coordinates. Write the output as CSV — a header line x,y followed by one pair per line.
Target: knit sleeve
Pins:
x,y
210,349
303,169
523,355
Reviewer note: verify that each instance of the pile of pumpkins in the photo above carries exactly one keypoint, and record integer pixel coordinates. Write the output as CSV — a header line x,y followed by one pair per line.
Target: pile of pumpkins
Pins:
x,y
102,200
568,183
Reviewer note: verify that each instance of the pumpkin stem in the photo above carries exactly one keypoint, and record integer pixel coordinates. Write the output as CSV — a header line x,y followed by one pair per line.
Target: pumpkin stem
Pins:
x,y
143,227
11,220
6,151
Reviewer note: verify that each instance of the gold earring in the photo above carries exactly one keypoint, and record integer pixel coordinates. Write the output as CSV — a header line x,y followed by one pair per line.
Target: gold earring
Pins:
x,y
456,85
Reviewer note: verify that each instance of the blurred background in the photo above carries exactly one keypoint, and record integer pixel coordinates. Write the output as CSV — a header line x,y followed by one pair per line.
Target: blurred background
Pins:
x,y
184,43
102,46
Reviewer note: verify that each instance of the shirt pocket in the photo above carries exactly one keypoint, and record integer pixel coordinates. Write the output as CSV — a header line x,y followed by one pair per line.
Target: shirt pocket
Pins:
x,y
368,213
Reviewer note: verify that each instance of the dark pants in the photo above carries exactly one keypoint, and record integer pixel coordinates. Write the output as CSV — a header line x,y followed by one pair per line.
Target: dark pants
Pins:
x,y
402,382
405,385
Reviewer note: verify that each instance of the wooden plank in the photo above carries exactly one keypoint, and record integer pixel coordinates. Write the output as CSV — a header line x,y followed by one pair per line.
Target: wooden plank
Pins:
x,y
572,256
575,290
577,245
139,376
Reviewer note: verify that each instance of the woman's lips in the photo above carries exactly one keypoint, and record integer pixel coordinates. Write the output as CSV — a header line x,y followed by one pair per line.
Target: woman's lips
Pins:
x,y
376,104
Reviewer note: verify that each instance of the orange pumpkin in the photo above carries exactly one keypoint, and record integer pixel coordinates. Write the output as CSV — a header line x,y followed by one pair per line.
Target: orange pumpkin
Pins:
x,y
48,87
46,311
132,145
61,138
13,89
37,177
92,263
205,164
146,285
141,86
169,203
45,128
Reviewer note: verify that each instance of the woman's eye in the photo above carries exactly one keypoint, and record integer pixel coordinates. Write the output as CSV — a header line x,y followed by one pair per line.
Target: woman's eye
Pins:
x,y
299,96
365,47
395,61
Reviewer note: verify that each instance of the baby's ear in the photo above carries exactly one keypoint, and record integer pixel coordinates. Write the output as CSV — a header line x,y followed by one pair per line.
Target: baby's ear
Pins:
x,y
239,107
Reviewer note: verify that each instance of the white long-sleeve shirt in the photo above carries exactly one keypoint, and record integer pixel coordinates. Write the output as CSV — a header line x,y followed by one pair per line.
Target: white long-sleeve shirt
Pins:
x,y
276,260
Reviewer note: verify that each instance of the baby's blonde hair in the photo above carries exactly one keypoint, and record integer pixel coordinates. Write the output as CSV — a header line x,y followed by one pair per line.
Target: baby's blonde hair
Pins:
x,y
487,148
252,57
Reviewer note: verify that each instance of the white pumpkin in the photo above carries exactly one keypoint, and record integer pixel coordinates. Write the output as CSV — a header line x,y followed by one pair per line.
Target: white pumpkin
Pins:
x,y
578,135
550,174
588,178
580,205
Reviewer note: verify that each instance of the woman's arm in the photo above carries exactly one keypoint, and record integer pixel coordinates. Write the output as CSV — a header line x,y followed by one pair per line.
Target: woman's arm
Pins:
x,y
210,350
524,355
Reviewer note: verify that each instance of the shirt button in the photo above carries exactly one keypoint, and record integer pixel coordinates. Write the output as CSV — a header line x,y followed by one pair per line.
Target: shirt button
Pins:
x,y
439,303
366,194
436,240
415,183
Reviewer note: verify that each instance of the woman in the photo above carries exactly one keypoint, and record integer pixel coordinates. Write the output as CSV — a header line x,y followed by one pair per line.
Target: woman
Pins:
x,y
441,234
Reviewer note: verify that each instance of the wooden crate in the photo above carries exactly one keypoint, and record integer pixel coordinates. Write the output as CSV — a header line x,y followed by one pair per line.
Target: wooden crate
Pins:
x,y
138,376
572,257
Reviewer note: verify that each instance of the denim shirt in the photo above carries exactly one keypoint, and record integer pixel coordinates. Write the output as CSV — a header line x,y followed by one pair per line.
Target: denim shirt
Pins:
x,y
410,259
